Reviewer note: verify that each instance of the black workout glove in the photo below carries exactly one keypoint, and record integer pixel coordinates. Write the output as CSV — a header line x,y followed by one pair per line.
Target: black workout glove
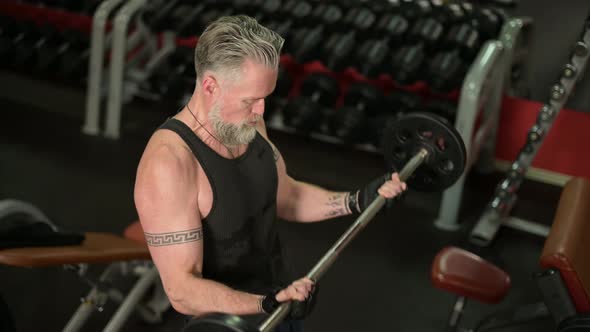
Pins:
x,y
360,199
299,309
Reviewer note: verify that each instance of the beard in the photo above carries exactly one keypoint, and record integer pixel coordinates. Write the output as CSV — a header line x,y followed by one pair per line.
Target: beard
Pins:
x,y
230,134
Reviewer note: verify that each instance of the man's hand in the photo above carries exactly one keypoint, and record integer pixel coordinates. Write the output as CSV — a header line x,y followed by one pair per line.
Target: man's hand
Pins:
x,y
388,186
301,293
297,291
393,187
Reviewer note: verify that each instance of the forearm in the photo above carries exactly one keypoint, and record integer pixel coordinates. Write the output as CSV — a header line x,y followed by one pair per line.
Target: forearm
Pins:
x,y
202,296
310,203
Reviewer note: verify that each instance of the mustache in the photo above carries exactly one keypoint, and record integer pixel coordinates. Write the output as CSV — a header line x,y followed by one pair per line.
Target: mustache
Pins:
x,y
256,117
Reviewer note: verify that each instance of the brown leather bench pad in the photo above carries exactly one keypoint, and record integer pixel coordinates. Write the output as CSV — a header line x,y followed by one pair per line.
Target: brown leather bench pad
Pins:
x,y
96,248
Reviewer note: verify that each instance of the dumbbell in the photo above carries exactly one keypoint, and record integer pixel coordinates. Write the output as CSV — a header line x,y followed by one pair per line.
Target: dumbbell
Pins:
x,y
160,18
252,8
270,10
187,18
424,37
9,28
306,111
73,64
50,38
329,14
25,41
326,18
349,122
407,62
396,104
192,20
297,22
336,51
444,108
174,77
463,38
415,9
48,54
215,10
346,28
459,47
302,38
404,101
278,99
487,20
376,126
387,33
446,71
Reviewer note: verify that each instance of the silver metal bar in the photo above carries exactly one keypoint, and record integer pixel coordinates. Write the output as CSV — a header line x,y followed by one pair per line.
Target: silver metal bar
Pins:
x,y
117,68
131,301
527,226
95,299
328,259
482,85
95,66
83,312
515,38
168,47
486,228
456,314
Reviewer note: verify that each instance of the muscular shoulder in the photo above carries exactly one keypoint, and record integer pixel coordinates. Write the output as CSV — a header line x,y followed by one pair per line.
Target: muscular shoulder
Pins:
x,y
167,153
167,169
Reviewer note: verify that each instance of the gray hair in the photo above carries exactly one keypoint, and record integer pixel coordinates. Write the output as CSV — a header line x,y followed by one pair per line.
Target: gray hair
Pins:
x,y
230,40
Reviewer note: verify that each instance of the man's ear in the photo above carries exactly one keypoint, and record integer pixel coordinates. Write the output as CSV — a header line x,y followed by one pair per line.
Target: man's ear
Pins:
x,y
209,85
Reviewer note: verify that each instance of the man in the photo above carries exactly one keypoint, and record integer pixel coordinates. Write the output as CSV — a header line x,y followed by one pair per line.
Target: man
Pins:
x,y
210,185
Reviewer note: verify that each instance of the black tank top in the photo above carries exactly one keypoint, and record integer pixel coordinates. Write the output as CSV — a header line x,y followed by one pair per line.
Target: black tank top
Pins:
x,y
240,242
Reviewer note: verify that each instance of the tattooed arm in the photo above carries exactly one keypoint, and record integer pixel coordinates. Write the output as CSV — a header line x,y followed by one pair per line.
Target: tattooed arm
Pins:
x,y
166,201
304,202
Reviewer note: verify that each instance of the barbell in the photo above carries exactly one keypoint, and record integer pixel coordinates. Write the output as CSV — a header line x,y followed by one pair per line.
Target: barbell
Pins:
x,y
431,155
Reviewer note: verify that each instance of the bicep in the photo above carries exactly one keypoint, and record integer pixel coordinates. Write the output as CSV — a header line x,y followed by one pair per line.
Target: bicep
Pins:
x,y
166,201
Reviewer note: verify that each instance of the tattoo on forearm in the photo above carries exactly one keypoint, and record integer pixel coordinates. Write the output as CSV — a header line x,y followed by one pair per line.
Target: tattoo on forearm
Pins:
x,y
337,204
166,239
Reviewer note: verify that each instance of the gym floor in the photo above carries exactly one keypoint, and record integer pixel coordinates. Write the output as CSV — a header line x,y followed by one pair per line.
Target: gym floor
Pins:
x,y
380,283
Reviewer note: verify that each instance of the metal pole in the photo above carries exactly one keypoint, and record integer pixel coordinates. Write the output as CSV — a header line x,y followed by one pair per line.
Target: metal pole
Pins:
x,y
117,67
501,204
322,266
130,303
95,66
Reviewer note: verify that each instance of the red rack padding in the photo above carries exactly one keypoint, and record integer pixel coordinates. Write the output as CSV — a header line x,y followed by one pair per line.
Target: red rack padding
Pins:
x,y
565,147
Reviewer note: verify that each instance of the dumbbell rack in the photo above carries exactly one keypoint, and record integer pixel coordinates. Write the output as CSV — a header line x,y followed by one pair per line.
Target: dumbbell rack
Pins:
x,y
117,89
497,212
484,86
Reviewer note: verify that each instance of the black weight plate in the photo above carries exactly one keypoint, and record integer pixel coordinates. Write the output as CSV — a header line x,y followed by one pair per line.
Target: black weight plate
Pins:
x,y
219,322
446,158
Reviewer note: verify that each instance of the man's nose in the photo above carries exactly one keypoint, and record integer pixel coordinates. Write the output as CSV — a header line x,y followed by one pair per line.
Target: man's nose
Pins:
x,y
258,107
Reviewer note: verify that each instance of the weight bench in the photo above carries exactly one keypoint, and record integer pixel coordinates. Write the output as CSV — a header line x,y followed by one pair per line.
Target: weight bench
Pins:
x,y
126,255
564,280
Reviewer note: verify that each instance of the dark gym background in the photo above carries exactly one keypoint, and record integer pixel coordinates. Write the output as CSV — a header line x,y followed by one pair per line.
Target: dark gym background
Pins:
x,y
380,283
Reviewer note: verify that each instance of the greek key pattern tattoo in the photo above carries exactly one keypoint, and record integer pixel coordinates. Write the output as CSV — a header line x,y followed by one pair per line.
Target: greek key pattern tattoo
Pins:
x,y
166,239
337,205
